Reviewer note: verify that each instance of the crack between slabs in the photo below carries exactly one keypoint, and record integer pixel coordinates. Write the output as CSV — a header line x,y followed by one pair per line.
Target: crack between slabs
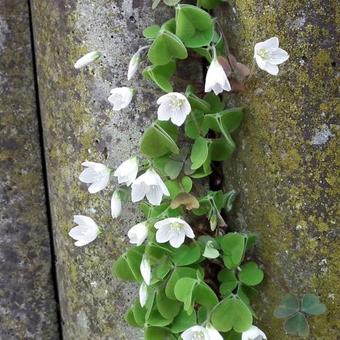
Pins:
x,y
45,175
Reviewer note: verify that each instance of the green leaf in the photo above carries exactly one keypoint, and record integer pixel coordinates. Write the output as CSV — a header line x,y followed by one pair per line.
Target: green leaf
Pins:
x,y
166,47
205,296
138,314
297,325
157,140
232,118
134,259
229,199
184,290
156,333
185,255
121,270
230,314
209,4
151,32
210,252
251,274
187,183
156,319
233,246
173,168
155,3
216,105
170,25
204,52
228,281
202,315
177,274
161,270
194,125
160,75
130,319
310,304
183,321
198,103
199,152
288,307
220,150
166,307
194,26
171,2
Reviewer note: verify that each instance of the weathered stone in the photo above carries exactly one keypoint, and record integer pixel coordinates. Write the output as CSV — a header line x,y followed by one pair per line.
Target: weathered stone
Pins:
x,y
27,297
79,124
285,166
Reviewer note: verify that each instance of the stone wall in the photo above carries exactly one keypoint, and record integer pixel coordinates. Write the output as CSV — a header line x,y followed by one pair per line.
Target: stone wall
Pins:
x,y
27,296
285,166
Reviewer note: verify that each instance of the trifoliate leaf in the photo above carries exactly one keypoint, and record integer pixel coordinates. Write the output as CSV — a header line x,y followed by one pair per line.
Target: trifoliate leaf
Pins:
x,y
297,325
251,274
310,304
233,246
288,307
151,32
199,152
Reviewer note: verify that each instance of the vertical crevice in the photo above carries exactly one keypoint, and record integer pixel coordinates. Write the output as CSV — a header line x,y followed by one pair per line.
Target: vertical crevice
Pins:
x,y
44,173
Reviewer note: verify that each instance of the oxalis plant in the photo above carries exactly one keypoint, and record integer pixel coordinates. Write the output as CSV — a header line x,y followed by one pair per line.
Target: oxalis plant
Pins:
x,y
195,277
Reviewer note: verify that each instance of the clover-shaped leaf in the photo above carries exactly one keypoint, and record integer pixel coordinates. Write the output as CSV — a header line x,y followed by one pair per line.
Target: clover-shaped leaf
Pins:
x,y
166,47
297,325
232,313
194,26
184,290
310,304
288,306
233,246
160,75
199,152
251,274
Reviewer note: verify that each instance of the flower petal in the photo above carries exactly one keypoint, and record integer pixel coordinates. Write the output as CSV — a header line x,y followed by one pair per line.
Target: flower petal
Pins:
x,y
271,43
163,234
154,195
278,56
177,238
272,69
99,184
143,294
138,191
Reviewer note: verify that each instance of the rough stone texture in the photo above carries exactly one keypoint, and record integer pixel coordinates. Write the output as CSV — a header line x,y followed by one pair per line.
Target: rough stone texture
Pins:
x,y
285,166
27,297
79,124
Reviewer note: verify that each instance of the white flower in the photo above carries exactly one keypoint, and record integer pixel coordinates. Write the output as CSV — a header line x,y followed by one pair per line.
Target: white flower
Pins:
x,y
85,232
150,185
133,64
174,106
143,294
213,334
120,98
145,270
253,333
116,205
195,333
138,233
216,79
127,171
97,174
268,55
174,230
87,59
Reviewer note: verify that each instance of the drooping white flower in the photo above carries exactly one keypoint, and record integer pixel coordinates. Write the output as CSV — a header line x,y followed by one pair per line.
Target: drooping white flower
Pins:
x,y
150,185
145,270
213,334
174,106
116,205
216,79
268,55
138,233
253,333
143,294
120,98
133,64
127,171
87,59
85,232
195,333
95,173
174,230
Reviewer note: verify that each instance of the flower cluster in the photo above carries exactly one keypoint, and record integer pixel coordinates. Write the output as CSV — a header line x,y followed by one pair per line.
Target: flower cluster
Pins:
x,y
171,251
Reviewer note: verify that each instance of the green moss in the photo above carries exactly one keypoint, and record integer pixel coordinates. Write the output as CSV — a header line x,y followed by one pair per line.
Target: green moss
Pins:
x,y
287,184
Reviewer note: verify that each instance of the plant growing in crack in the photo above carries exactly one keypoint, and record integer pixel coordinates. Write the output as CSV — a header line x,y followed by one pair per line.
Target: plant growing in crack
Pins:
x,y
196,276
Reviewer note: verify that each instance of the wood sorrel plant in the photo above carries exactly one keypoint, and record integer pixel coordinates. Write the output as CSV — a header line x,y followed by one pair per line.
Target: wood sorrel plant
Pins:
x,y
195,278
